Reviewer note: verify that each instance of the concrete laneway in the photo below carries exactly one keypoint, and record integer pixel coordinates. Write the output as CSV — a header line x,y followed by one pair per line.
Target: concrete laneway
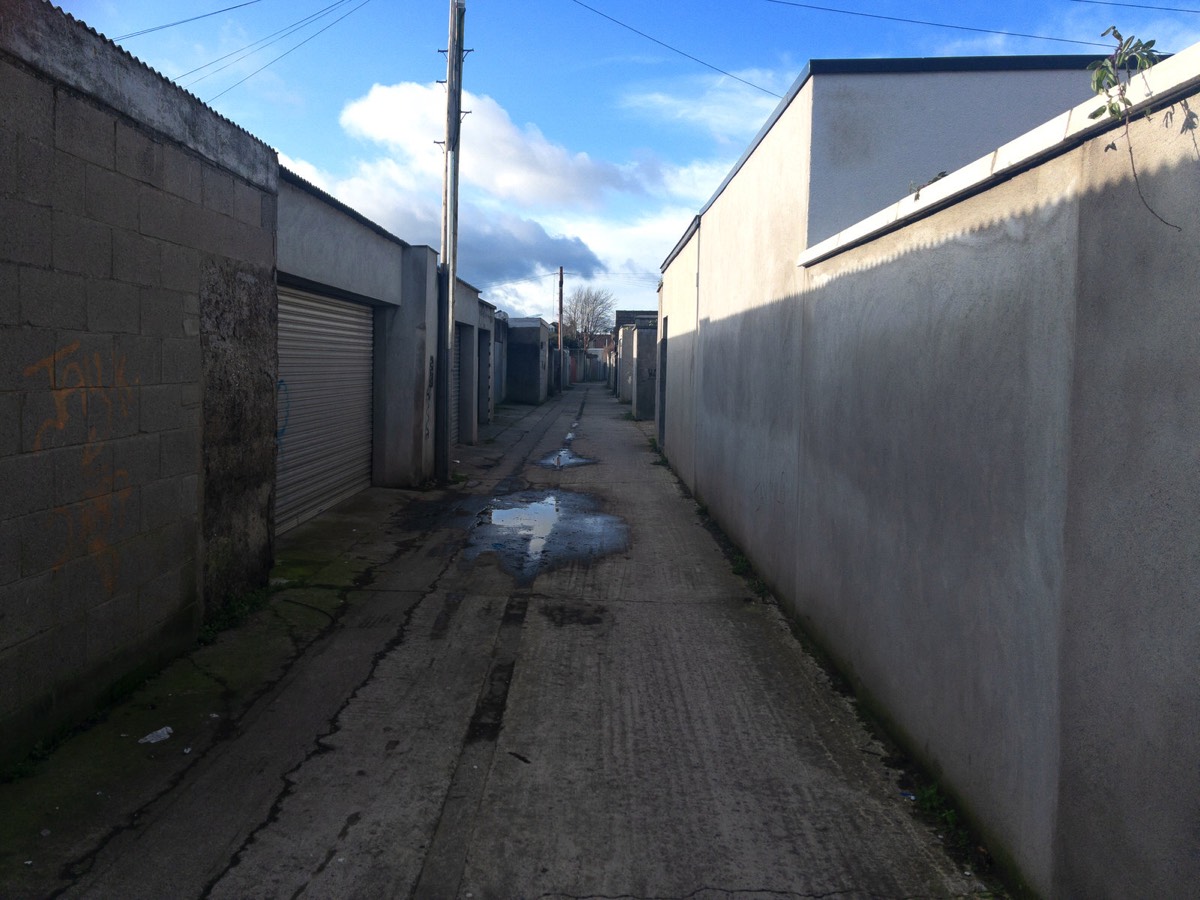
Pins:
x,y
545,683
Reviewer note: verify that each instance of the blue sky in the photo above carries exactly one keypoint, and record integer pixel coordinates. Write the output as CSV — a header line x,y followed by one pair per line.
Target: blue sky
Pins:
x,y
587,145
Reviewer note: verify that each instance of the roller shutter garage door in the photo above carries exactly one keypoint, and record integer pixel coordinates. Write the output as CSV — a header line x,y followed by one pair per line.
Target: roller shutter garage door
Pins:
x,y
324,404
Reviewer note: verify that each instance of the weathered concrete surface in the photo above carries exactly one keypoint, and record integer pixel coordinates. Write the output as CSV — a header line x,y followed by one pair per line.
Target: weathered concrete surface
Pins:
x,y
409,719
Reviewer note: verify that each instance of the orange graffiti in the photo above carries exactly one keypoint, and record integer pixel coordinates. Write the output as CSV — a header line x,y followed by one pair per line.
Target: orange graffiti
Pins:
x,y
74,381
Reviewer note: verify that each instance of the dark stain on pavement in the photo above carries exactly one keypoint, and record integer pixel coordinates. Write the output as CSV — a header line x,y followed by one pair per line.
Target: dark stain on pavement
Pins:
x,y
561,614
488,717
535,531
450,604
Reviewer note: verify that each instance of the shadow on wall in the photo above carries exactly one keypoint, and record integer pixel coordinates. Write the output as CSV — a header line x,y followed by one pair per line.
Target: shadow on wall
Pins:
x,y
965,459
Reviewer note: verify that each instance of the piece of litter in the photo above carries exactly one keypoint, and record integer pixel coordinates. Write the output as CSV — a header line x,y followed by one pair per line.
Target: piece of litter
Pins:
x,y
45,832
341,859
214,715
29,862
155,736
187,750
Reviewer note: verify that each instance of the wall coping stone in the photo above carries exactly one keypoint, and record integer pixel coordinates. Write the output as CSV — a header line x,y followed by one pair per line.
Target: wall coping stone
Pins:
x,y
57,44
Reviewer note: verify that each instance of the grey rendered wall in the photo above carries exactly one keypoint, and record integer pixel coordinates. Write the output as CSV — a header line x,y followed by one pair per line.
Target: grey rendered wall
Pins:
x,y
527,366
872,139
745,368
932,403
625,337
137,254
645,369
1130,696
677,320
964,455
321,242
405,376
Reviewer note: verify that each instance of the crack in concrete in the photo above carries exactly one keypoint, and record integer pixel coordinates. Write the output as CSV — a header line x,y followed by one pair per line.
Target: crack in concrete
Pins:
x,y
73,871
320,746
301,603
351,820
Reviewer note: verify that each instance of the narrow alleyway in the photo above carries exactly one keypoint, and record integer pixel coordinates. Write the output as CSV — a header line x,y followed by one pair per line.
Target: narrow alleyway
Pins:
x,y
545,683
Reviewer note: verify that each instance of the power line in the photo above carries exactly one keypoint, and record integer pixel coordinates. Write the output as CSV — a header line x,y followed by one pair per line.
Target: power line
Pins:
x,y
757,87
255,45
285,53
133,34
1138,6
496,284
848,12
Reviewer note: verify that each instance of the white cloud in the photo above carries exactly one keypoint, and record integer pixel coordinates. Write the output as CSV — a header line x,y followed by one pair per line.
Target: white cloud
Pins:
x,y
528,205
305,170
729,111
515,164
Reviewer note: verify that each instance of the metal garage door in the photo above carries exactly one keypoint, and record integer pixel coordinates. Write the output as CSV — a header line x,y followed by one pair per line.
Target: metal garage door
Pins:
x,y
324,404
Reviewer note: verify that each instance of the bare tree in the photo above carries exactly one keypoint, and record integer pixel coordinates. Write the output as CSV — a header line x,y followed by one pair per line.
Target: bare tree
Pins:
x,y
587,311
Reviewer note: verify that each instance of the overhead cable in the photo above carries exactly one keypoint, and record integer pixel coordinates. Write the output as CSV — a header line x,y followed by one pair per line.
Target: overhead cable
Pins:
x,y
133,34
553,272
1137,6
757,87
260,44
865,15
286,52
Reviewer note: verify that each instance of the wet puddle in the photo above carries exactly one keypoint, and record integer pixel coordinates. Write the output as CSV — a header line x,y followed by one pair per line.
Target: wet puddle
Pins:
x,y
565,458
535,531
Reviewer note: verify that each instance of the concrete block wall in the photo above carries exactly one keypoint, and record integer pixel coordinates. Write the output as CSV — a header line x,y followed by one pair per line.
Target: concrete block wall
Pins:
x,y
136,340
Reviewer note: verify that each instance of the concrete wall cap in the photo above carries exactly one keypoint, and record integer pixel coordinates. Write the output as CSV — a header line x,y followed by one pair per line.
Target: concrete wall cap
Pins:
x,y
49,39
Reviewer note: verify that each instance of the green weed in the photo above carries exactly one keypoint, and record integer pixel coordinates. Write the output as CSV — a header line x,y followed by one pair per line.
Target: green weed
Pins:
x,y
232,614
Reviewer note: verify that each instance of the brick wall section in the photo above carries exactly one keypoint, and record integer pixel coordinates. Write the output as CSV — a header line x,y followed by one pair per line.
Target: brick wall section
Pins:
x,y
137,351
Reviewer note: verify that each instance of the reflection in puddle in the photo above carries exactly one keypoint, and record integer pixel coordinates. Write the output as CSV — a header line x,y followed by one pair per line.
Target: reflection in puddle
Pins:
x,y
534,531
565,458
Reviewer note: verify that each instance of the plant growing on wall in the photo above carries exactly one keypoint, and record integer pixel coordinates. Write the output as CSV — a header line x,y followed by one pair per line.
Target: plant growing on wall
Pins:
x,y
1110,80
1110,76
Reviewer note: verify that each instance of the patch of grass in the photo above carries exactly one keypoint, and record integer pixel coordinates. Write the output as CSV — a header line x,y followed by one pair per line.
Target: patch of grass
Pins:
x,y
627,416
702,510
232,614
653,445
740,565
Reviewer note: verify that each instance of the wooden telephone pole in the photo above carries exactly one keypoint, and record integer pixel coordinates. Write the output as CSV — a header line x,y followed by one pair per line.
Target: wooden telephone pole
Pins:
x,y
448,273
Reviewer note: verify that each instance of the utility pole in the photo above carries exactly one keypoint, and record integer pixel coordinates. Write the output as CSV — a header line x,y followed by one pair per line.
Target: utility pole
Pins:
x,y
448,271
562,375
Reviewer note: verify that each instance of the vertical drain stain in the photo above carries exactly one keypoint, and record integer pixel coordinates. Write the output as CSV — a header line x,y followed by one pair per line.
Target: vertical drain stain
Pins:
x,y
442,870
488,718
